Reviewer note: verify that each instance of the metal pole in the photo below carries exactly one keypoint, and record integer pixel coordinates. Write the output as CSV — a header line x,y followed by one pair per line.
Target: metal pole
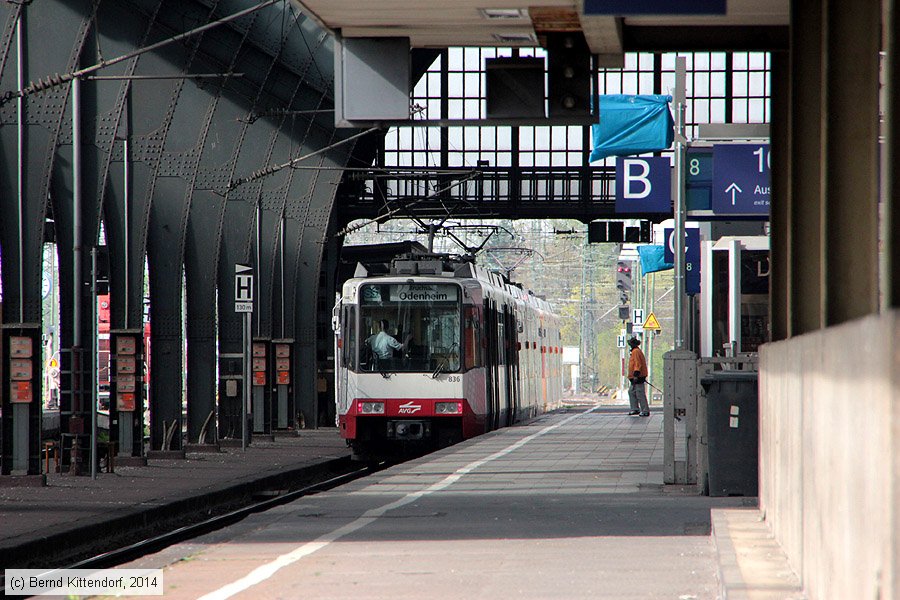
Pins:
x,y
77,376
734,297
583,348
431,227
246,398
652,337
127,199
638,282
282,244
20,146
259,215
95,383
127,419
589,321
680,73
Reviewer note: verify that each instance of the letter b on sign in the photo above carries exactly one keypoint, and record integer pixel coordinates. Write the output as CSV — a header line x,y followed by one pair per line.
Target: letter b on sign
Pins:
x,y
636,184
643,185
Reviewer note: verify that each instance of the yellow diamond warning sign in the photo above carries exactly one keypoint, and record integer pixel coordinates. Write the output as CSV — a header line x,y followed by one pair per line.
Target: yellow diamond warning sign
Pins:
x,y
652,323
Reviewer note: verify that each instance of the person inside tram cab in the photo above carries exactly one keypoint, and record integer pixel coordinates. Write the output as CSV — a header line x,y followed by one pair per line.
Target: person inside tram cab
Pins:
x,y
383,343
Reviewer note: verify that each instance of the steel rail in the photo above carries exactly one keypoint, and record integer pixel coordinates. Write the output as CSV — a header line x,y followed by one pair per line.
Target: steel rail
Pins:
x,y
146,546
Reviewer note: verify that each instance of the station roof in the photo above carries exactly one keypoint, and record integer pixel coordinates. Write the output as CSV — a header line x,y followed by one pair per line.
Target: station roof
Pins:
x,y
746,25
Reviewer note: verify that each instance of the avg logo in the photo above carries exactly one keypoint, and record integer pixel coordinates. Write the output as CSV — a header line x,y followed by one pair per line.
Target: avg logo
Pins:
x,y
410,408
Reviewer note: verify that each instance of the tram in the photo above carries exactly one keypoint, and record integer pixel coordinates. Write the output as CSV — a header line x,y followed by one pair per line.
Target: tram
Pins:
x,y
471,352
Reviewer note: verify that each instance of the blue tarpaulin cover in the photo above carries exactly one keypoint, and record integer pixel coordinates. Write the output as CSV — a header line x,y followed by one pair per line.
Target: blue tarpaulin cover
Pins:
x,y
653,258
632,125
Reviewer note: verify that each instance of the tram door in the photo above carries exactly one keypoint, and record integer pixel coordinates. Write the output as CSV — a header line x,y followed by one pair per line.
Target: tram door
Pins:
x,y
512,360
491,370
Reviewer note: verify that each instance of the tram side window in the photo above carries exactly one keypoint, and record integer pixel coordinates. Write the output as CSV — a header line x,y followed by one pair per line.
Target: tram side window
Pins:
x,y
501,339
472,337
348,356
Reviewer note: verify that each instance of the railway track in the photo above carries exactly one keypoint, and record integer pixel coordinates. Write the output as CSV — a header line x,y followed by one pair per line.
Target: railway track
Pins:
x,y
153,537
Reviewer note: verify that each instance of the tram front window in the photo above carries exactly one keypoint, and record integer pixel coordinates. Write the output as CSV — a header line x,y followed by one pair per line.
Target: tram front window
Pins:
x,y
410,327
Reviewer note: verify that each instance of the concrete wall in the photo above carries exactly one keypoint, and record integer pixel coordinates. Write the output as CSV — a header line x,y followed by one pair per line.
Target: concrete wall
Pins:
x,y
829,466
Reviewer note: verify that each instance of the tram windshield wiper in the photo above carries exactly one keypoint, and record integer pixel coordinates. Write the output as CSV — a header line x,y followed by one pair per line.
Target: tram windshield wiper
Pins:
x,y
440,368
445,361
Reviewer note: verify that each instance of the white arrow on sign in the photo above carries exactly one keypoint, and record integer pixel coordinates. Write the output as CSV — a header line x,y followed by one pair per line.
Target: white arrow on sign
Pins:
x,y
733,188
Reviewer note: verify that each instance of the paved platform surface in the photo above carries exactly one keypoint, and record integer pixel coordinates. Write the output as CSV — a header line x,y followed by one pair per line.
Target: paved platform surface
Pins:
x,y
571,505
70,503
752,566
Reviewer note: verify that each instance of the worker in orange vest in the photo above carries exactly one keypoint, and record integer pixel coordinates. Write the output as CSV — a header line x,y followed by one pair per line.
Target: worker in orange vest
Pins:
x,y
637,375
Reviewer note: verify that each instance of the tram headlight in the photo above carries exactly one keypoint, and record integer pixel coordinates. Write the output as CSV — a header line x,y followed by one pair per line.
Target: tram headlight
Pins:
x,y
370,408
448,408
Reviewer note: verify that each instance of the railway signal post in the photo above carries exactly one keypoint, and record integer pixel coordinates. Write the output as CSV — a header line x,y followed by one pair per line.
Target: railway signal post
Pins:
x,y
243,303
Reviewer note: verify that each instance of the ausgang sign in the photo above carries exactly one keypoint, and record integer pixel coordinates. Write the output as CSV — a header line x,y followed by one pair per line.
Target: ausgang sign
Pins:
x,y
742,179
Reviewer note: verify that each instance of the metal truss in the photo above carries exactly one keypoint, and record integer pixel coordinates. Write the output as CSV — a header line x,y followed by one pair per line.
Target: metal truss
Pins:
x,y
583,193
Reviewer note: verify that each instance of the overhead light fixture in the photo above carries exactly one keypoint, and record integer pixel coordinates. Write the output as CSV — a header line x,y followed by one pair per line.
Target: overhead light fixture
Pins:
x,y
515,38
504,13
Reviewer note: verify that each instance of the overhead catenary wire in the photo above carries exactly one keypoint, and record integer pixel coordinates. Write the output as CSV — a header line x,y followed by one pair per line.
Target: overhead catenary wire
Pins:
x,y
284,112
275,168
154,77
57,79
352,228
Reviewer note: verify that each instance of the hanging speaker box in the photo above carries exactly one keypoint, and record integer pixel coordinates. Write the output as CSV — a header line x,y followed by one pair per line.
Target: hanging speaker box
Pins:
x,y
514,88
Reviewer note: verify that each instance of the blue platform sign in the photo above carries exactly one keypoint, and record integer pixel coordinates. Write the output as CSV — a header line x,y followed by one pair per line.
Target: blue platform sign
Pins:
x,y
643,185
742,179
698,179
654,7
691,256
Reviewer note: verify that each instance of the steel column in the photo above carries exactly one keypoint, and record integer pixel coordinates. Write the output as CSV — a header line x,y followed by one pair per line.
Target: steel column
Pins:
x,y
851,159
734,296
234,249
165,245
201,257
781,273
890,278
680,150
806,195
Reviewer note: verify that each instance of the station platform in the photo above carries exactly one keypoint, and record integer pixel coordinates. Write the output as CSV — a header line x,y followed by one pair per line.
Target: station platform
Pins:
x,y
570,505
72,509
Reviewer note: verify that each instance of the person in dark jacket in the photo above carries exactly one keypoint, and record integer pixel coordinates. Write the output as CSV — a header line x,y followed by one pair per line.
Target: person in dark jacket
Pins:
x,y
637,375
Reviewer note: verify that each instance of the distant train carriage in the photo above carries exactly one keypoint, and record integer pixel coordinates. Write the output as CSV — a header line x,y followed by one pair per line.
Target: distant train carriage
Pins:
x,y
467,352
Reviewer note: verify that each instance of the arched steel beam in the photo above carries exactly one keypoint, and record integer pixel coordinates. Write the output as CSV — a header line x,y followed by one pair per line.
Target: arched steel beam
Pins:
x,y
156,159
